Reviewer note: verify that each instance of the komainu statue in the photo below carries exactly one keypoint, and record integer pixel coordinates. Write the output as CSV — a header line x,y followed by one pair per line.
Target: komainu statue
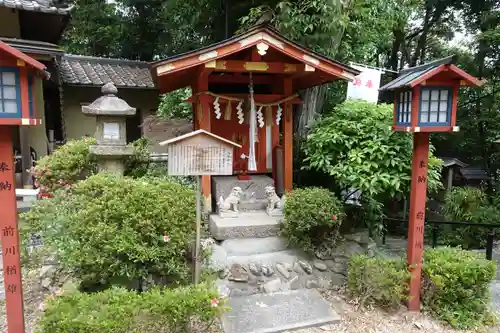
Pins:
x,y
274,203
229,207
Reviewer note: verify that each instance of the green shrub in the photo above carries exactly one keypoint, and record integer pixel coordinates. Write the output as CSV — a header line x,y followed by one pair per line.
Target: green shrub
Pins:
x,y
67,165
470,205
311,215
378,281
456,286
110,227
137,165
120,311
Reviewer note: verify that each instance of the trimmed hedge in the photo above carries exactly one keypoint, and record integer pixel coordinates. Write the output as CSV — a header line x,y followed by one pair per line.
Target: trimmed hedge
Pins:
x,y
108,228
311,216
456,286
378,281
117,310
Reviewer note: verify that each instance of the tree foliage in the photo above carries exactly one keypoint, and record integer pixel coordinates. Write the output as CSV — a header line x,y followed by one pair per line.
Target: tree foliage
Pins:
x,y
387,33
355,145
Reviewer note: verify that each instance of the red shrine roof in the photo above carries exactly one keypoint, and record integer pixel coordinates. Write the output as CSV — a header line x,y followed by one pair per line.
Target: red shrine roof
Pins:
x,y
305,67
444,67
22,56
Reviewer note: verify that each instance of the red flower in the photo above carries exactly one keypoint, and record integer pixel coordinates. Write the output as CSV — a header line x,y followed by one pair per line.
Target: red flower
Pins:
x,y
334,217
214,302
166,238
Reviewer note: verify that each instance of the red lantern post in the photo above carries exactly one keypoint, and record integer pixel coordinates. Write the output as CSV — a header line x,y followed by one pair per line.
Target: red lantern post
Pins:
x,y
10,235
18,109
425,101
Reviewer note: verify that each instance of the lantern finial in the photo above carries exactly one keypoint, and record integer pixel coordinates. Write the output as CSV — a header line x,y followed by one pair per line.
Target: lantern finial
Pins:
x,y
109,89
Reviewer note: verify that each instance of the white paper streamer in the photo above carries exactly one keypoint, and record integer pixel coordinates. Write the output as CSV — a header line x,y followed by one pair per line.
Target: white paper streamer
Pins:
x,y
218,113
260,117
252,164
278,115
239,113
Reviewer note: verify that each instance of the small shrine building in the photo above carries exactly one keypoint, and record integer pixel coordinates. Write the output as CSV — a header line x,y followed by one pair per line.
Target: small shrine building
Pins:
x,y
244,90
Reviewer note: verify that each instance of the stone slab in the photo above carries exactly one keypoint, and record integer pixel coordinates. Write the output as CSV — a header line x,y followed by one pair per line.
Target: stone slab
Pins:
x,y
247,225
248,246
270,258
277,312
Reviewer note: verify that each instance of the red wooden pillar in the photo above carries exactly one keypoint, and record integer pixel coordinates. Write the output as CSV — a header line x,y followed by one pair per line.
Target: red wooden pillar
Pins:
x,y
417,215
10,235
203,117
288,139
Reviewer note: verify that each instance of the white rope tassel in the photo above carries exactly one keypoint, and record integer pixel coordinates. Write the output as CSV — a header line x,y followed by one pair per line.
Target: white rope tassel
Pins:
x,y
239,113
260,117
279,114
218,113
252,164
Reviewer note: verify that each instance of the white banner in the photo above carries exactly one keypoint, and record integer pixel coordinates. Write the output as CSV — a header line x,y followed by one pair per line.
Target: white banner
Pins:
x,y
365,86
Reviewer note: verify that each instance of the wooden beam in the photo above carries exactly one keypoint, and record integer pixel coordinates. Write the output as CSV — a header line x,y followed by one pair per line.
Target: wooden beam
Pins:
x,y
255,66
231,79
450,83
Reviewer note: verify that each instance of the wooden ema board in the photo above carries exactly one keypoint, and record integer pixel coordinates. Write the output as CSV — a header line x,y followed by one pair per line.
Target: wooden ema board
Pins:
x,y
417,215
10,236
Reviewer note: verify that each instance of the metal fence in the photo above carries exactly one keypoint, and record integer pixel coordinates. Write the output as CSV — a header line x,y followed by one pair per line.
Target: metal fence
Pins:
x,y
493,230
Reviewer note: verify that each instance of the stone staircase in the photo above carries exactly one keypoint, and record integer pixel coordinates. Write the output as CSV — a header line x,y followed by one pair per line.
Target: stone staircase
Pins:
x,y
270,287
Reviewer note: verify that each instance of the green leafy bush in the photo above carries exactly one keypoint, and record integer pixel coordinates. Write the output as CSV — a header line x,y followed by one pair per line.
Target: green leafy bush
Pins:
x,y
136,166
356,146
109,227
312,215
68,164
469,205
456,286
378,281
120,311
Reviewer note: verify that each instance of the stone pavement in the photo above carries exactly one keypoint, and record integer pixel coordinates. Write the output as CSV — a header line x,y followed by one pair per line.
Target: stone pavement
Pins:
x,y
277,312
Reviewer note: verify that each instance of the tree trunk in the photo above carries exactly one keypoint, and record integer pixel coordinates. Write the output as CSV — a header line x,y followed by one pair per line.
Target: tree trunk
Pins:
x,y
422,40
396,47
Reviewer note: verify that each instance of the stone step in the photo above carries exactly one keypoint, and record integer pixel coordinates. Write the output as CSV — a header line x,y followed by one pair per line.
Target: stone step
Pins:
x,y
269,258
247,225
277,312
249,246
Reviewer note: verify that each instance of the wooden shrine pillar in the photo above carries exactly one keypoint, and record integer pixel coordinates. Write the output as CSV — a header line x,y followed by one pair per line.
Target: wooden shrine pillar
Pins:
x,y
288,139
203,119
25,148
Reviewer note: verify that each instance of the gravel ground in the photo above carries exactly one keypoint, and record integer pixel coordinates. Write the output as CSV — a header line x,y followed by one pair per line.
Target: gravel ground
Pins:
x,y
356,320
33,298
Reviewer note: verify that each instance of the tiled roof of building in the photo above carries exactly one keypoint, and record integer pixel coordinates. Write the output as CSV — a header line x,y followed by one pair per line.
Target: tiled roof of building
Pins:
x,y
451,161
474,173
44,6
31,46
94,71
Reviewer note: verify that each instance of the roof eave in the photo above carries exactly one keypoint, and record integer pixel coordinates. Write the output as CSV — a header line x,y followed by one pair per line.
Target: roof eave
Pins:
x,y
258,29
83,85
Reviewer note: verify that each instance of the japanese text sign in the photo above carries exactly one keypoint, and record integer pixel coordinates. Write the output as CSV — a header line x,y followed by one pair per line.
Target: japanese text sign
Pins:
x,y
365,86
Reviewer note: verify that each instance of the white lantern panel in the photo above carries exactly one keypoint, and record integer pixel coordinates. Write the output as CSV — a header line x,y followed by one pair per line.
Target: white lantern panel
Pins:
x,y
111,131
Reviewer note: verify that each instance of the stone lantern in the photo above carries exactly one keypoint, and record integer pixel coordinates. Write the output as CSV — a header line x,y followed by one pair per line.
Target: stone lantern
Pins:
x,y
111,113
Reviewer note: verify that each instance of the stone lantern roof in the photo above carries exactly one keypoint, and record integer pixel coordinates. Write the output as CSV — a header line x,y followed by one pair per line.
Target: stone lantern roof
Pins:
x,y
109,104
